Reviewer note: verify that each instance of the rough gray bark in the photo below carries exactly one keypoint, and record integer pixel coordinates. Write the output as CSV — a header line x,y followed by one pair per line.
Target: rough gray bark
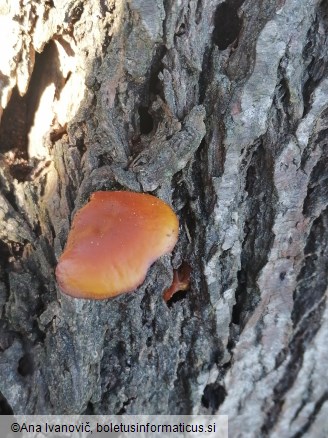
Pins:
x,y
220,109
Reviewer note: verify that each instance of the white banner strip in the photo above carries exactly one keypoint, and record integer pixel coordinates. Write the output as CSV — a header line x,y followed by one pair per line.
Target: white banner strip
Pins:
x,y
119,426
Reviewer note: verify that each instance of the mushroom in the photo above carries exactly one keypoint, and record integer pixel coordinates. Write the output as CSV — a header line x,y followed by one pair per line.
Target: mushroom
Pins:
x,y
113,241
181,281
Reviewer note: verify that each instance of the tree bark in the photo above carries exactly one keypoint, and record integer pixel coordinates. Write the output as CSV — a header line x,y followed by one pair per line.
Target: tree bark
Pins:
x,y
218,108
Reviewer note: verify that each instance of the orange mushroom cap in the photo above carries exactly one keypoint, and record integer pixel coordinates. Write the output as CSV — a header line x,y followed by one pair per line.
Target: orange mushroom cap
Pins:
x,y
113,241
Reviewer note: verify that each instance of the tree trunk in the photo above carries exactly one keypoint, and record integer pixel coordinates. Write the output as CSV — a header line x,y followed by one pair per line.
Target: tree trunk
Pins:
x,y
218,108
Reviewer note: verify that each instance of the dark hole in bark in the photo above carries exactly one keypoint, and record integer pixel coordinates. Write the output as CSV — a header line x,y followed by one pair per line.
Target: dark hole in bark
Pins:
x,y
25,365
227,24
282,275
241,295
5,408
80,145
178,296
146,121
182,30
213,397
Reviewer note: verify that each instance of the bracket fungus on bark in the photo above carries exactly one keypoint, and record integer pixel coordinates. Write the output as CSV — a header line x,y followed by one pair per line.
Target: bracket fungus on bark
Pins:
x,y
113,241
